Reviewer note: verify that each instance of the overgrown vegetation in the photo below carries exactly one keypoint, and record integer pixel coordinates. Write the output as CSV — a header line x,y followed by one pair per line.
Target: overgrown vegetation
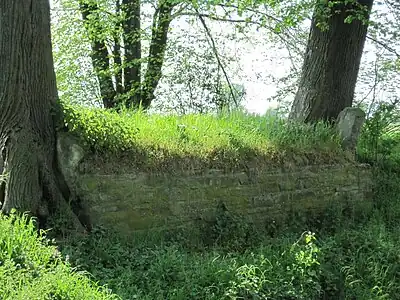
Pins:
x,y
351,259
348,259
355,263
32,268
226,139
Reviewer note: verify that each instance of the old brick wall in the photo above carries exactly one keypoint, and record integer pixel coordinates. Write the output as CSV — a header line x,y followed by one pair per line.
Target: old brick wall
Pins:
x,y
136,201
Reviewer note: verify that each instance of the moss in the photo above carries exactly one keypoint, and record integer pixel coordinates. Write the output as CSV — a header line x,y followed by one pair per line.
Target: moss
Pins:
x,y
146,200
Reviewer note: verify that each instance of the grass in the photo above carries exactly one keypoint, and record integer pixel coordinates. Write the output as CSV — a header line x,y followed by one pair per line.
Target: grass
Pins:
x,y
154,141
355,263
32,268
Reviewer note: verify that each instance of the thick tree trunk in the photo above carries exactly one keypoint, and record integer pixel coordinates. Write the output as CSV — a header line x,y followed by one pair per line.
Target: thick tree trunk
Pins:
x,y
330,67
29,113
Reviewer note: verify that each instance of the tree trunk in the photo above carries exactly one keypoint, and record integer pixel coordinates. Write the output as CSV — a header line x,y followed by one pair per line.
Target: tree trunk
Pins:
x,y
331,65
134,93
133,51
117,53
99,54
159,35
30,113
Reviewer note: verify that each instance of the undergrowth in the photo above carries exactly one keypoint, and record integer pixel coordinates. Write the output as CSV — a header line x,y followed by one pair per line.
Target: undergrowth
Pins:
x,y
32,268
342,260
358,262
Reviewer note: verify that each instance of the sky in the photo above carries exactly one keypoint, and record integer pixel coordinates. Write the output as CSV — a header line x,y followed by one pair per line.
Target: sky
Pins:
x,y
257,59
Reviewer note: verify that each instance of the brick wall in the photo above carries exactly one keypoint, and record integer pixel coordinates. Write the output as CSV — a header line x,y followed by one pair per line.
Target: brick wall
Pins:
x,y
138,201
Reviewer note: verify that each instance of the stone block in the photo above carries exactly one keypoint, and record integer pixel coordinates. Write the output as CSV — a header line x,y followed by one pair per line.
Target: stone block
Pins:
x,y
348,124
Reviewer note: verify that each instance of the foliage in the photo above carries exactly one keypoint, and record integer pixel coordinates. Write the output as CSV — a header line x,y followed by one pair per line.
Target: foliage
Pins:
x,y
32,268
193,81
379,143
361,263
293,275
189,74
228,230
76,80
171,272
193,78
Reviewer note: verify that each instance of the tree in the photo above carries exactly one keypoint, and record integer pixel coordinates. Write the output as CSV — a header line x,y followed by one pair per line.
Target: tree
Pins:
x,y
30,113
332,60
123,83
191,68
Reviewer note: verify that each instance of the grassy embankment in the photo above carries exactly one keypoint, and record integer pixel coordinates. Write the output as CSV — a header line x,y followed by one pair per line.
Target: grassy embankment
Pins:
x,y
218,141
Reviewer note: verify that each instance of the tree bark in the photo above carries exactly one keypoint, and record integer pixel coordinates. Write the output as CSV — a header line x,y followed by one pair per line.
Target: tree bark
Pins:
x,y
133,51
159,36
331,65
30,113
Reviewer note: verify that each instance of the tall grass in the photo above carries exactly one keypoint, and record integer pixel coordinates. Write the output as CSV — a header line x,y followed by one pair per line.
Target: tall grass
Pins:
x,y
200,136
355,263
32,268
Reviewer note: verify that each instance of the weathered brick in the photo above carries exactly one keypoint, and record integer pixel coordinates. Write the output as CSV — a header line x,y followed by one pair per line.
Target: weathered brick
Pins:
x,y
139,201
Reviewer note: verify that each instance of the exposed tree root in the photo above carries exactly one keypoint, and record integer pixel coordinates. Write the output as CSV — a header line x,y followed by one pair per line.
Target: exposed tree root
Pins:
x,y
35,185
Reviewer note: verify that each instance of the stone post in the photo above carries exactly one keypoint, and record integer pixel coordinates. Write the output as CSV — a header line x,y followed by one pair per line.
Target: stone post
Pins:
x,y
348,124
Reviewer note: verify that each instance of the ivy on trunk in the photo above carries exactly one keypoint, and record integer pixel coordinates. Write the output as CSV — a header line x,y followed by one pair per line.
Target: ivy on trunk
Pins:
x,y
121,83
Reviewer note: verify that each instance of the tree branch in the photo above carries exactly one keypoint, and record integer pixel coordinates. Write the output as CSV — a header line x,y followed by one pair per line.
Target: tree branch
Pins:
x,y
214,48
390,49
